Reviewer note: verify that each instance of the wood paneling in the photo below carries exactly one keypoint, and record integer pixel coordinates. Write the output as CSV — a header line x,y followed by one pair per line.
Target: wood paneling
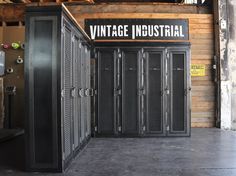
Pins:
x,y
202,51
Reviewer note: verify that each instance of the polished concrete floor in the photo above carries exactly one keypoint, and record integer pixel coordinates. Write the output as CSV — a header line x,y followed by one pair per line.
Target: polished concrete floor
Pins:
x,y
208,152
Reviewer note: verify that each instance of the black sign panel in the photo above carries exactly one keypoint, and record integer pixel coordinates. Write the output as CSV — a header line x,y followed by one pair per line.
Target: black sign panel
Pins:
x,y
137,29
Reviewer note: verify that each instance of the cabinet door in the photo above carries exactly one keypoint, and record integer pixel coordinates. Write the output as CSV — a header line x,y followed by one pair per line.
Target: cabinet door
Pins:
x,y
130,92
179,84
106,123
83,98
76,98
67,84
154,96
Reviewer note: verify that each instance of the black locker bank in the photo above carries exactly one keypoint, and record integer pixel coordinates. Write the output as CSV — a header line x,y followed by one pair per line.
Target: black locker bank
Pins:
x,y
141,88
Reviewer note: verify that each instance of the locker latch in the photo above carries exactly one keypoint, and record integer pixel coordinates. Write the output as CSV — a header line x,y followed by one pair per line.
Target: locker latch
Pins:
x,y
119,128
117,92
168,128
144,128
142,91
95,128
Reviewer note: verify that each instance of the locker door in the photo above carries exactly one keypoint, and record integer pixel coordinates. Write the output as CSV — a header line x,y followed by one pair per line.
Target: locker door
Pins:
x,y
67,104
179,87
88,92
76,103
154,95
83,99
106,123
80,89
130,92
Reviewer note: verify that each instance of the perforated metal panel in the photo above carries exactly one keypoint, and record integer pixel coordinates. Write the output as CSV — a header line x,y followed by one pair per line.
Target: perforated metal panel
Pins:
x,y
88,91
76,75
155,92
179,92
67,90
130,108
106,92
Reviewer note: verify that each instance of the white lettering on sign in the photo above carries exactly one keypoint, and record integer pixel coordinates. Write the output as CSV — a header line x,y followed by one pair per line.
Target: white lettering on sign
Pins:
x,y
137,31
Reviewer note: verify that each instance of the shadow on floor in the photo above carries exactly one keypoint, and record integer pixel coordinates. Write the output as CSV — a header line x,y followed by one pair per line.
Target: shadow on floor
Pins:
x,y
12,153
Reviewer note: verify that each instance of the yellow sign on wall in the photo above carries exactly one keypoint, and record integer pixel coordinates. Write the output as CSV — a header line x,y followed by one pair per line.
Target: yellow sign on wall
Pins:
x,y
198,70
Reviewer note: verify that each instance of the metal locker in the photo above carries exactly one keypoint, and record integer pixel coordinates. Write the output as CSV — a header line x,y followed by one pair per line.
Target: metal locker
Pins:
x,y
68,84
154,91
130,91
82,125
75,95
88,92
106,123
52,79
179,87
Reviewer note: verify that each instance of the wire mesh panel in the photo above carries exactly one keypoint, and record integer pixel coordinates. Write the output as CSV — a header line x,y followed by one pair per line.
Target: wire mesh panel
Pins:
x,y
67,89
130,108
179,102
106,114
83,100
76,103
155,92
88,91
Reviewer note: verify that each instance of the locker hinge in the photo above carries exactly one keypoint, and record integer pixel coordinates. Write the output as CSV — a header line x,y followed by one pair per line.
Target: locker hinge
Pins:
x,y
73,38
63,156
167,54
143,53
73,146
62,93
95,128
80,45
63,30
119,128
119,55
96,55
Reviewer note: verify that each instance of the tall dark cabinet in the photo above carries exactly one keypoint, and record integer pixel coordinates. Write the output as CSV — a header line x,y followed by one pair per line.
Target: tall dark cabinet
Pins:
x,y
57,88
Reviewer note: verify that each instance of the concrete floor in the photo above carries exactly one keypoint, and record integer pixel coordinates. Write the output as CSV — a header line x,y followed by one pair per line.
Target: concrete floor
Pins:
x,y
209,152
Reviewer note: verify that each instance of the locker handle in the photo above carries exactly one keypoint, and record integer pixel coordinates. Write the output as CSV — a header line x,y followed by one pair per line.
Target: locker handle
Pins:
x,y
161,92
91,92
86,92
80,92
73,92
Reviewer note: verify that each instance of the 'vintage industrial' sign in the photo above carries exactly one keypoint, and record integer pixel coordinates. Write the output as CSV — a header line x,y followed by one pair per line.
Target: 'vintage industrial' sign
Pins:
x,y
198,70
137,29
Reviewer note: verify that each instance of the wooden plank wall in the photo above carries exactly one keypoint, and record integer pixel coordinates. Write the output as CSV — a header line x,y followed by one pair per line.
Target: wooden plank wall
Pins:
x,y
202,51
